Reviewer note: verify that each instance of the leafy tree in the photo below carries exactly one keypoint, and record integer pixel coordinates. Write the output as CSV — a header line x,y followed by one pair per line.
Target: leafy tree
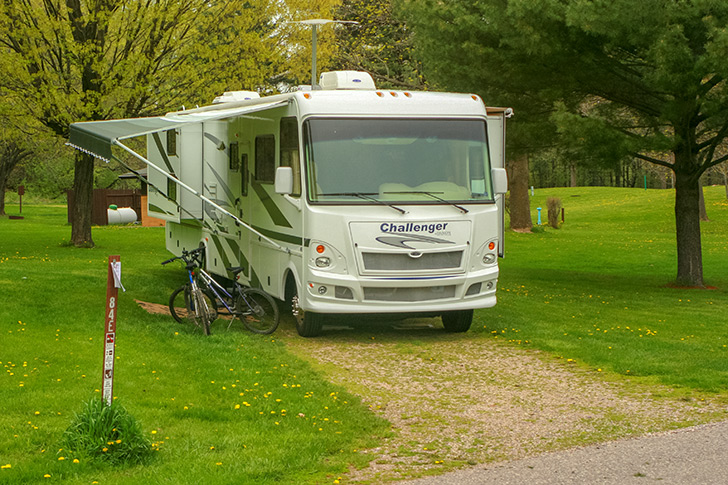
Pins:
x,y
380,44
11,154
76,60
16,143
656,66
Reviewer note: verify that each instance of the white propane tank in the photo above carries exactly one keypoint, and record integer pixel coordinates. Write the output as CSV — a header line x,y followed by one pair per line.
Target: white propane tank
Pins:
x,y
121,215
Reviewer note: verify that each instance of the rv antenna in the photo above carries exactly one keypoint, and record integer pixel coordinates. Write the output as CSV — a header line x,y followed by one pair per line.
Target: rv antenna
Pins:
x,y
314,23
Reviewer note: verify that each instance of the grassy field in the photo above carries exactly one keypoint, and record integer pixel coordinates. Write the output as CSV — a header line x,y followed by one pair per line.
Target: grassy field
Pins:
x,y
595,290
240,408
232,408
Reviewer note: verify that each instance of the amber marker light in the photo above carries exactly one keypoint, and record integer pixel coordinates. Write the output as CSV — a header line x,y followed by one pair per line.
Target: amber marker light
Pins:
x,y
491,245
320,248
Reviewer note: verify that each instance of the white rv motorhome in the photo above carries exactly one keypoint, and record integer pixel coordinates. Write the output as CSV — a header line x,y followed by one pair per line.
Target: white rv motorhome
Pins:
x,y
340,200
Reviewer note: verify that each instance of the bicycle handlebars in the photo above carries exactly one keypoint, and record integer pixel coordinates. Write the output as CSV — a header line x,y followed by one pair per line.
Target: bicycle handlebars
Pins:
x,y
187,256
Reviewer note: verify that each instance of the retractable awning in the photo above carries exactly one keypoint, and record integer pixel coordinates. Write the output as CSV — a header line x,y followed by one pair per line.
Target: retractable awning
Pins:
x,y
97,137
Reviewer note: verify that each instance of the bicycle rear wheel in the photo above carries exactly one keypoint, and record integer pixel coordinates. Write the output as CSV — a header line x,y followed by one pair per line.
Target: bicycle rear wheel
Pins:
x,y
257,310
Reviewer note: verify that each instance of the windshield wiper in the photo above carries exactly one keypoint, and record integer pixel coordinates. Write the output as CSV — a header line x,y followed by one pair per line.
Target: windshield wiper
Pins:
x,y
365,196
432,194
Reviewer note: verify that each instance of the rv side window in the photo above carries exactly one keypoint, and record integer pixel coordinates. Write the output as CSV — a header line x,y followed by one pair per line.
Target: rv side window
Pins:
x,y
172,189
172,142
244,175
234,157
265,158
289,151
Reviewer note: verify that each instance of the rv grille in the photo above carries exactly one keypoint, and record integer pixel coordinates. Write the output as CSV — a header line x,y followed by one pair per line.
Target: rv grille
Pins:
x,y
404,262
409,294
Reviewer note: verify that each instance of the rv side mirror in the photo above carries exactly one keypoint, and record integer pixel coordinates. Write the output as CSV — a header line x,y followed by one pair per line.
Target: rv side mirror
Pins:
x,y
500,180
284,180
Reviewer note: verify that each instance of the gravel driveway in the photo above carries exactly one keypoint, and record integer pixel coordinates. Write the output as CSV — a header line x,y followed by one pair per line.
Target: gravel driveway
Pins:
x,y
464,399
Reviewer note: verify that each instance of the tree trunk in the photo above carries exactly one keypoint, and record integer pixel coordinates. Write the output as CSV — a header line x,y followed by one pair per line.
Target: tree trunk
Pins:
x,y
703,212
687,225
3,185
83,184
519,201
572,170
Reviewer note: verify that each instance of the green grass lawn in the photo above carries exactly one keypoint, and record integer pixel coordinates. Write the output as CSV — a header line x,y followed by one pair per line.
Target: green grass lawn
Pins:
x,y
595,290
232,408
239,408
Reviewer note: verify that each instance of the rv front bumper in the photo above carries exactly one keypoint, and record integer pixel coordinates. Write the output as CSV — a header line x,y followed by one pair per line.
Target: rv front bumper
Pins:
x,y
329,293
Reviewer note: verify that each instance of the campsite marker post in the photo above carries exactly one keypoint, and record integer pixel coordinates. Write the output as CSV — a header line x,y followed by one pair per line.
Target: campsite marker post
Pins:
x,y
113,284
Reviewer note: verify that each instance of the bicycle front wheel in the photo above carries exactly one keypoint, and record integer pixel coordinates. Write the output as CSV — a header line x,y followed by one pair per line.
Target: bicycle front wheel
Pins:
x,y
185,307
179,303
203,311
257,310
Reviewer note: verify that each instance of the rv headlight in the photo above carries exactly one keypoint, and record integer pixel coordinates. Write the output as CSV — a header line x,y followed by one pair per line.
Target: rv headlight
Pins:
x,y
324,256
489,258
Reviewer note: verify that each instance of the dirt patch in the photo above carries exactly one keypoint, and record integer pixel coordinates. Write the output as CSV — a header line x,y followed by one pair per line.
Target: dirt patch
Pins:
x,y
464,399
154,308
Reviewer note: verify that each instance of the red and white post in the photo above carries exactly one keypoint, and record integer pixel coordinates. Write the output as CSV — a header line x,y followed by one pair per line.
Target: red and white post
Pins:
x,y
112,292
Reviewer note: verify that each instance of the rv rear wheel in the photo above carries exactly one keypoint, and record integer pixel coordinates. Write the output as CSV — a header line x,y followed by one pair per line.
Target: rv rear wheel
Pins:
x,y
308,324
457,321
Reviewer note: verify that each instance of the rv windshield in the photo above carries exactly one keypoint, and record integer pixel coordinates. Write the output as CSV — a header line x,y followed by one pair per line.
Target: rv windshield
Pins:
x,y
397,161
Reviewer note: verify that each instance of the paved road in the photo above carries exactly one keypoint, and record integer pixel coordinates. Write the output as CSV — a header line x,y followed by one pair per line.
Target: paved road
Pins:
x,y
697,455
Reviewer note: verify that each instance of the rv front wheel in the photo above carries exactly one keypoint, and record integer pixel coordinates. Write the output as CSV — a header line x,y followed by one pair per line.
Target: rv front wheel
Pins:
x,y
308,324
457,321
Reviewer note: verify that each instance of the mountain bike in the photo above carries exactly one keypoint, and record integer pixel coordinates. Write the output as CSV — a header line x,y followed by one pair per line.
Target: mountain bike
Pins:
x,y
197,299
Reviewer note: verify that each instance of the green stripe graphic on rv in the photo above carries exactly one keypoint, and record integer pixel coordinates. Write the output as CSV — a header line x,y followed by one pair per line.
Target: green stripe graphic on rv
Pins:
x,y
221,251
156,208
273,211
279,236
224,186
163,152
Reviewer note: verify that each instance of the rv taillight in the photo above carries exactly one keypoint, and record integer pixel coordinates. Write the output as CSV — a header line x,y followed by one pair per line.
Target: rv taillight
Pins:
x,y
320,248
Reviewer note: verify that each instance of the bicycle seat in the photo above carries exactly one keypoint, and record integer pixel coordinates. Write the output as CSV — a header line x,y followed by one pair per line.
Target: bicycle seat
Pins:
x,y
235,269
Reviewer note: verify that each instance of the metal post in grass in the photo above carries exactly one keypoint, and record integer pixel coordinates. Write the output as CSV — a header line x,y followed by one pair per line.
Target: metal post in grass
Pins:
x,y
113,283
538,222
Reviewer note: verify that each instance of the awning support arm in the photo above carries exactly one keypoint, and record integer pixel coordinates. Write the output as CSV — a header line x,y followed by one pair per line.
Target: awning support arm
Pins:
x,y
202,197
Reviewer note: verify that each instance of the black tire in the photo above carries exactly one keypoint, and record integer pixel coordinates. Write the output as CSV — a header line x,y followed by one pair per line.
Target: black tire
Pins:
x,y
258,311
206,311
179,304
457,321
308,324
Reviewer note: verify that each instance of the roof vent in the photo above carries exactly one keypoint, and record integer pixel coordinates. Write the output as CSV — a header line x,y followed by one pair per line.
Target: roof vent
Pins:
x,y
346,80
229,96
